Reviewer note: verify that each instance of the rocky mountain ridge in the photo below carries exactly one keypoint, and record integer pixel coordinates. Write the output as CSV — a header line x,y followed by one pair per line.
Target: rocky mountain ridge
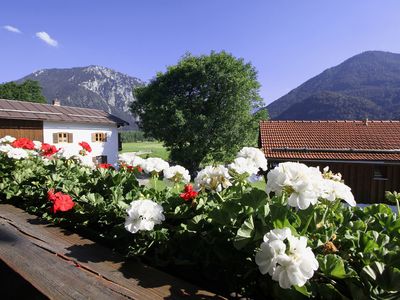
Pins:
x,y
91,87
366,85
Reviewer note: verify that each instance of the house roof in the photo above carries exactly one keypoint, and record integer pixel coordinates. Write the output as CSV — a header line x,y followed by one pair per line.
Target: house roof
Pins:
x,y
23,110
331,140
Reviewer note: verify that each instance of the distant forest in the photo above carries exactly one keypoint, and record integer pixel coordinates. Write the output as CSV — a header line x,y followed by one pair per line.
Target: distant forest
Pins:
x,y
132,136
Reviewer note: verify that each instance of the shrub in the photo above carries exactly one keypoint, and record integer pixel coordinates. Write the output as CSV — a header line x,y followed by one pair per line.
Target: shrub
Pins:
x,y
298,240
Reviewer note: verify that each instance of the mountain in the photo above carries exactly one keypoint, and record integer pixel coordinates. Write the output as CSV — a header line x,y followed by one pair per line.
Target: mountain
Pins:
x,y
365,85
91,87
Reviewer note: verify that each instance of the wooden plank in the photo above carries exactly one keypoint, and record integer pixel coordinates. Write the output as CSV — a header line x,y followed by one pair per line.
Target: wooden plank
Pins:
x,y
22,128
91,264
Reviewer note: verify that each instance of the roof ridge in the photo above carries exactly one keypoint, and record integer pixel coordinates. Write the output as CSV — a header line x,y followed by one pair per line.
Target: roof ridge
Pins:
x,y
51,105
329,121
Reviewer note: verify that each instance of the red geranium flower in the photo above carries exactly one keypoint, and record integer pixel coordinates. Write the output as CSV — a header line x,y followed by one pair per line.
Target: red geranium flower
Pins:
x,y
61,202
189,193
48,150
85,146
132,169
105,166
23,143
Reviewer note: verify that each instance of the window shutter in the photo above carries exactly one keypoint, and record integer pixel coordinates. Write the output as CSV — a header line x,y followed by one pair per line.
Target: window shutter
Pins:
x,y
55,138
70,138
105,137
93,137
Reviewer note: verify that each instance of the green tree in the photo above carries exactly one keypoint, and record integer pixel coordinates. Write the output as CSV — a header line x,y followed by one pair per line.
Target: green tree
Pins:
x,y
202,108
29,90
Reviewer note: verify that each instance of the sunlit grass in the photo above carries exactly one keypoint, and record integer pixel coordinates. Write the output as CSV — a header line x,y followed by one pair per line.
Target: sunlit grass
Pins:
x,y
155,149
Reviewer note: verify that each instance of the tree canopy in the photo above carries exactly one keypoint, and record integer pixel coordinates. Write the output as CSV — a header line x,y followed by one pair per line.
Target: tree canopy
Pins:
x,y
201,108
29,90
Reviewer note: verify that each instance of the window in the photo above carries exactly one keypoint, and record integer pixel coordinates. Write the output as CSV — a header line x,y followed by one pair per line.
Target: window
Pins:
x,y
119,141
101,159
62,137
380,173
99,137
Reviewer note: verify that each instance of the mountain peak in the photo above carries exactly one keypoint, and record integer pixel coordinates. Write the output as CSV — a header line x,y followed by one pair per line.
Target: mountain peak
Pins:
x,y
373,77
90,87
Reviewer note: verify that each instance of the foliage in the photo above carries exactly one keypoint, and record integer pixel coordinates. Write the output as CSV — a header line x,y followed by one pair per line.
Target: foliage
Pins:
x,y
218,233
29,90
201,108
131,136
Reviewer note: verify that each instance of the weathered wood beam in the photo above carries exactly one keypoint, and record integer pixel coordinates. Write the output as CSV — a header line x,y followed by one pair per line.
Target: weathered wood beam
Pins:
x,y
63,265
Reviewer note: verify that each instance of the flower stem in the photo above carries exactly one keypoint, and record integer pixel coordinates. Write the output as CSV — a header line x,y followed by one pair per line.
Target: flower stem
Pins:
x,y
307,224
398,208
220,197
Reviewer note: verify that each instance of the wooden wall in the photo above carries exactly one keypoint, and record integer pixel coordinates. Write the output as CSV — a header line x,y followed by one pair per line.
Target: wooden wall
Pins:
x,y
365,186
360,177
22,128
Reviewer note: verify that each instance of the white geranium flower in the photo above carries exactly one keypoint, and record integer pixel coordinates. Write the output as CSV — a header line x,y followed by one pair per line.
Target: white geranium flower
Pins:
x,y
327,174
332,190
69,151
273,245
301,183
7,139
154,165
290,263
17,153
255,155
86,160
213,178
38,145
177,174
5,148
131,159
243,165
143,215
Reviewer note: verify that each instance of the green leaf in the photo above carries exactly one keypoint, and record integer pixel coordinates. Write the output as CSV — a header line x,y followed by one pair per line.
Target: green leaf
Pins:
x,y
303,290
244,234
380,274
332,265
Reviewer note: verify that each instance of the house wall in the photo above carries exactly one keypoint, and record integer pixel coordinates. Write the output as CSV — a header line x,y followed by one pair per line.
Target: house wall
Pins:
x,y
22,128
83,132
361,178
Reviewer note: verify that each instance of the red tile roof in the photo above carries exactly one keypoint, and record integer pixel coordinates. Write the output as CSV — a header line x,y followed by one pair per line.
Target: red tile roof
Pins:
x,y
14,109
331,140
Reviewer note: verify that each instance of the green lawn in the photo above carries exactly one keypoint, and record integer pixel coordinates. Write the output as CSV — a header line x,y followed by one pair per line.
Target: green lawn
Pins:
x,y
156,149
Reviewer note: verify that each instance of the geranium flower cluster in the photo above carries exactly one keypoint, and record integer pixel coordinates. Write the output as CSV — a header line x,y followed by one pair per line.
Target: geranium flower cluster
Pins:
x,y
286,258
189,193
155,166
85,148
305,185
213,178
249,161
24,147
143,215
176,174
61,202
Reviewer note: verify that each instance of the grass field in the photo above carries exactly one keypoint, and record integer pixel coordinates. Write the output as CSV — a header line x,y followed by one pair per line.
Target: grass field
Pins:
x,y
156,149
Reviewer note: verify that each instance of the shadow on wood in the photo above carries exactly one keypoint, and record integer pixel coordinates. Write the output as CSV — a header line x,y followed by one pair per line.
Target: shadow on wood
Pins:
x,y
62,265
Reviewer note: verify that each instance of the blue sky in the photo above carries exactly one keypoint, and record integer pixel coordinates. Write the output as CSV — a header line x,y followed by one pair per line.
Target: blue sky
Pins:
x,y
288,41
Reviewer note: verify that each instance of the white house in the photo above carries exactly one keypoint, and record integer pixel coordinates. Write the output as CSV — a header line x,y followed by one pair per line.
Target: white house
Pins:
x,y
63,126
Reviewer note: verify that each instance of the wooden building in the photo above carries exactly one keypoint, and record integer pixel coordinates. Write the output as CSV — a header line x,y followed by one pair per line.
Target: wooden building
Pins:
x,y
366,153
62,126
